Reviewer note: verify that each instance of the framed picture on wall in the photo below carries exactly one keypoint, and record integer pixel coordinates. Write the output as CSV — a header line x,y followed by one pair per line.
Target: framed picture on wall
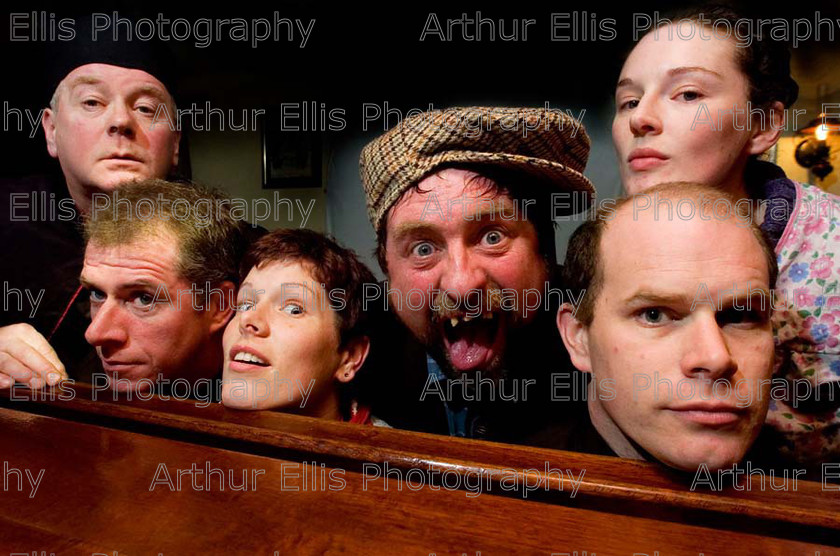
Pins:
x,y
290,158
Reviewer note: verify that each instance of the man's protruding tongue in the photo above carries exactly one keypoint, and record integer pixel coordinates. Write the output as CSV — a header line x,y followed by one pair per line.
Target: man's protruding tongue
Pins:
x,y
474,343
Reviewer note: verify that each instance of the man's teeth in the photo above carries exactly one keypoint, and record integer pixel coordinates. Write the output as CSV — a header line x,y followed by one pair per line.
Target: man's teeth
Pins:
x,y
467,318
249,358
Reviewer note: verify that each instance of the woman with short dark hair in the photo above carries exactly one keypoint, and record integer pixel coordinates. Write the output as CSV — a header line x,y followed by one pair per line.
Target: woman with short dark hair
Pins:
x,y
300,334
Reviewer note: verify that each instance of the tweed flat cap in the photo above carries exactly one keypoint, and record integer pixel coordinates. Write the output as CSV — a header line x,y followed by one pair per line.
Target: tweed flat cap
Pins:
x,y
546,145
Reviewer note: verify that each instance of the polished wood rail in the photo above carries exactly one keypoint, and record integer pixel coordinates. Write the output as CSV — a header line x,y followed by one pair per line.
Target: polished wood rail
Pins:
x,y
100,458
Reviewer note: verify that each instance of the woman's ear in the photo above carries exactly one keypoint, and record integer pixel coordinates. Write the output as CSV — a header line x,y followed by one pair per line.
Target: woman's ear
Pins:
x,y
353,356
575,337
220,308
767,130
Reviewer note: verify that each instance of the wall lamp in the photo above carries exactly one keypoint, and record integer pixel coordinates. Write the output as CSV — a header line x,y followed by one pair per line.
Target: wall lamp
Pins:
x,y
813,152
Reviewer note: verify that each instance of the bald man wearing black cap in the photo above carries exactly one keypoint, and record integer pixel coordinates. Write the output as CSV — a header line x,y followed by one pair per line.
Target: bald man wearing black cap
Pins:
x,y
102,129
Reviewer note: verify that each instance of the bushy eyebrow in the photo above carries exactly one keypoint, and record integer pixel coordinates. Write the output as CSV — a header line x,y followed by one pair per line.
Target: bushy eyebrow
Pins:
x,y
642,298
488,209
411,229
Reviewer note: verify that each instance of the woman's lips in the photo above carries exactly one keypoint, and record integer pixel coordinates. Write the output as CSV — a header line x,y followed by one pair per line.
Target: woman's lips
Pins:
x,y
647,163
247,359
243,367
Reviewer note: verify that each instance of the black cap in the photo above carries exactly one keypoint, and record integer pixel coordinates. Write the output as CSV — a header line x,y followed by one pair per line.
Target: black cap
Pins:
x,y
152,56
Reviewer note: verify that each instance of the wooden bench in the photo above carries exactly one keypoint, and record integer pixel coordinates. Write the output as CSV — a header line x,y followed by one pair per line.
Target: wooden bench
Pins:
x,y
110,469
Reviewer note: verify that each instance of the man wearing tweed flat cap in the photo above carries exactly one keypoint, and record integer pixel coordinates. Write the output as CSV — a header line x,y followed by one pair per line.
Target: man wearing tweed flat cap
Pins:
x,y
461,203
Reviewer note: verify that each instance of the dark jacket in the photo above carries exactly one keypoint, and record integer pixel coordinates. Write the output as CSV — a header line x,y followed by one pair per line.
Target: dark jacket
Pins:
x,y
43,254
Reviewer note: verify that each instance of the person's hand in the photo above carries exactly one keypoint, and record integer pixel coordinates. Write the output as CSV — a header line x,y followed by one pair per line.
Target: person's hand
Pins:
x,y
27,357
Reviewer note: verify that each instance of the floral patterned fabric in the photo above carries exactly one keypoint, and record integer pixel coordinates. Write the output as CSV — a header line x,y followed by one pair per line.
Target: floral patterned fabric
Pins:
x,y
806,323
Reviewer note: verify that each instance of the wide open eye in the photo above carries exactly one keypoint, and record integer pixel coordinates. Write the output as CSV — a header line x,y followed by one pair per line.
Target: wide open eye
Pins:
x,y
423,249
493,237
293,308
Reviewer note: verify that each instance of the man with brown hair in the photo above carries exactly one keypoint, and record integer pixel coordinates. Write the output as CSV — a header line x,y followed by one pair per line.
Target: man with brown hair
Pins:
x,y
461,203
673,328
161,270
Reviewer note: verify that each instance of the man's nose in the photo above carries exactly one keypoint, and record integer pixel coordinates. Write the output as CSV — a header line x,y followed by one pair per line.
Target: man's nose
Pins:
x,y
707,351
464,274
107,326
645,118
121,120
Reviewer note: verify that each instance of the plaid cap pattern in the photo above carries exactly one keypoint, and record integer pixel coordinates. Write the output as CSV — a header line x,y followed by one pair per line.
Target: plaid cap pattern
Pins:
x,y
546,145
